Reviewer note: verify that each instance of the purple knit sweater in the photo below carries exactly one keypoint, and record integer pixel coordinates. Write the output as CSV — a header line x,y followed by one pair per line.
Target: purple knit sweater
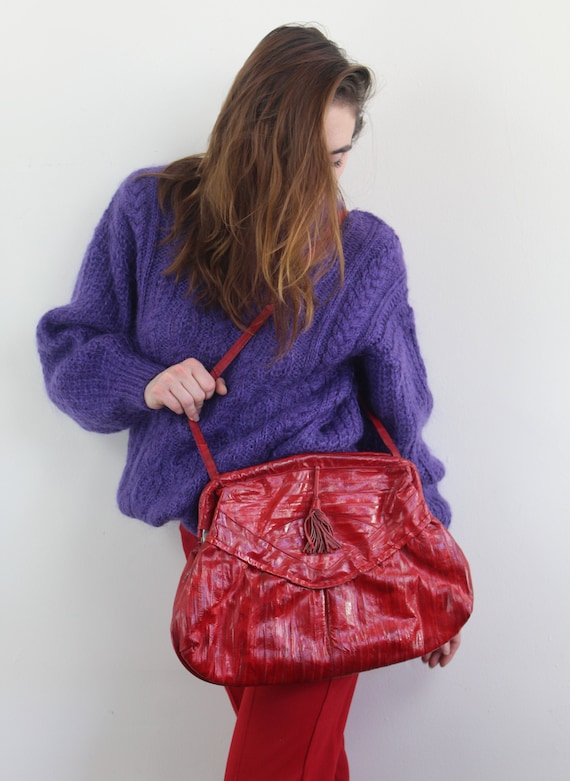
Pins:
x,y
127,321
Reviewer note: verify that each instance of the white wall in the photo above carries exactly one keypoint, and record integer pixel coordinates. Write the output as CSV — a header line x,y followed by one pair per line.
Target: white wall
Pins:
x,y
467,156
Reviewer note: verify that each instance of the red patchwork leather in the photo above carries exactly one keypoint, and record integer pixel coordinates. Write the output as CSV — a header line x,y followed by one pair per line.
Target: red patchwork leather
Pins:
x,y
253,608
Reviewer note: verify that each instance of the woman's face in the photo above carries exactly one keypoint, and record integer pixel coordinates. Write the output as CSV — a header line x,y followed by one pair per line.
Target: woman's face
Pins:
x,y
340,122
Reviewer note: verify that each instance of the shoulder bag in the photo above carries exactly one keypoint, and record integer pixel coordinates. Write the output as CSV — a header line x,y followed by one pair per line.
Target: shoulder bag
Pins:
x,y
315,566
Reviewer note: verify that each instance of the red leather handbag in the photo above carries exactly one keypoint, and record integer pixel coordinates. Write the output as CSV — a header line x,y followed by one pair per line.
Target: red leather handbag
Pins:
x,y
315,566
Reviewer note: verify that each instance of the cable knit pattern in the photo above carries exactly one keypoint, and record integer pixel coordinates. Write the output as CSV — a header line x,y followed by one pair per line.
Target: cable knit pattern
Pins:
x,y
127,321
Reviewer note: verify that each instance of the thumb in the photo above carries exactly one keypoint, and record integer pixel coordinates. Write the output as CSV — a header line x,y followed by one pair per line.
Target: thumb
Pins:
x,y
221,387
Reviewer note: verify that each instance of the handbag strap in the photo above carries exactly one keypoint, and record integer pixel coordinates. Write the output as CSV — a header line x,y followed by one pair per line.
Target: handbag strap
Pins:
x,y
222,365
241,342
216,372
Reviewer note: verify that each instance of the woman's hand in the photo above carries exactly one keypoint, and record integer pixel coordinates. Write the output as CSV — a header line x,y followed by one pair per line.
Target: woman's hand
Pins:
x,y
183,388
444,654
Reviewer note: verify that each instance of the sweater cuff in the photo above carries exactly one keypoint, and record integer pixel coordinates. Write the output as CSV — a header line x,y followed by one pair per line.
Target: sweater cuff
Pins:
x,y
130,385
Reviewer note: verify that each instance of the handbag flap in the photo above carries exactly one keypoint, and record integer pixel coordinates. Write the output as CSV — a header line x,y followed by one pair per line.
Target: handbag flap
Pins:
x,y
372,501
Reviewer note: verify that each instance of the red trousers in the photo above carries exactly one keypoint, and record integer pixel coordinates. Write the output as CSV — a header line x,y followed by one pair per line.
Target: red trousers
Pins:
x,y
291,732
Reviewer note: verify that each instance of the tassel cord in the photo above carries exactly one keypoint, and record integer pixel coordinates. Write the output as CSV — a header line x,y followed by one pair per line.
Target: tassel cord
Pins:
x,y
317,527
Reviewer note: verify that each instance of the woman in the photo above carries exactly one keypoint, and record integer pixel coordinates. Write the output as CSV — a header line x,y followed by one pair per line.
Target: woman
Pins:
x,y
186,256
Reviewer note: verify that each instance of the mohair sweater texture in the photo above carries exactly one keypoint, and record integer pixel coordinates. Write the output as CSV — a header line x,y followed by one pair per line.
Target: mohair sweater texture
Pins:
x,y
127,321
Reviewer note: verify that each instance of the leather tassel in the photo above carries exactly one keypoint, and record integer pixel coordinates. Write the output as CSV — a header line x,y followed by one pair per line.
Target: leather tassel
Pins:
x,y
317,527
319,533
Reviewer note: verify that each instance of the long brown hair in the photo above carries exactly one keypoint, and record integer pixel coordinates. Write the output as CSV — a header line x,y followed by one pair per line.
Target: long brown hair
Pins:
x,y
256,218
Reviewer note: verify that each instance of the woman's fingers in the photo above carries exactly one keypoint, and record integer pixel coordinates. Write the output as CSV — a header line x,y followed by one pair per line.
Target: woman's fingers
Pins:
x,y
221,388
183,388
444,654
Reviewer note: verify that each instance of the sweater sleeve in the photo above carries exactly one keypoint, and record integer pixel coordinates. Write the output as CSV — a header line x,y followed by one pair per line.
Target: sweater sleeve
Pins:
x,y
92,369
396,385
